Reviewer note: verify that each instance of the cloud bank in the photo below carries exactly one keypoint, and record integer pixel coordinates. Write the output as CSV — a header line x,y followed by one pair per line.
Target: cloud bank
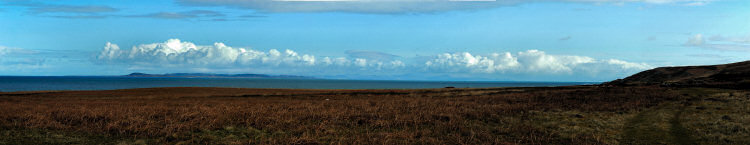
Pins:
x,y
398,6
175,53
528,62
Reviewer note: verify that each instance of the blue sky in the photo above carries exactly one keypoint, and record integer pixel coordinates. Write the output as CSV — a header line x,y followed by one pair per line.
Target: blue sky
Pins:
x,y
515,40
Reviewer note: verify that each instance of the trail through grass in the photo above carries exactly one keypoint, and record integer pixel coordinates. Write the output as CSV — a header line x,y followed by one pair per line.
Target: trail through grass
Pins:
x,y
659,125
646,128
680,134
662,124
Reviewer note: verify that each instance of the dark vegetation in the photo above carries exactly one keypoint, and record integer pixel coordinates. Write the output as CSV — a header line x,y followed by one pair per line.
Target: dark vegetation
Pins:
x,y
733,75
239,116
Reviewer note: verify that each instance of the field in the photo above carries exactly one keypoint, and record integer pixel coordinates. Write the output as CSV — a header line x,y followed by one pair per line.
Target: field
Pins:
x,y
539,115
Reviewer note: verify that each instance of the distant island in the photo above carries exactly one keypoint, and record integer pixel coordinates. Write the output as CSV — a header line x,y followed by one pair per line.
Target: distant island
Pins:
x,y
211,75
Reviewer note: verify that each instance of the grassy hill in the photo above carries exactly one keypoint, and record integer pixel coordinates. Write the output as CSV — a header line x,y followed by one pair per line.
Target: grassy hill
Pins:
x,y
733,75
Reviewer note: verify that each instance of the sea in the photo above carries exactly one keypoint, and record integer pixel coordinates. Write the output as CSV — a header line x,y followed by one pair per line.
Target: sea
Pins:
x,y
39,83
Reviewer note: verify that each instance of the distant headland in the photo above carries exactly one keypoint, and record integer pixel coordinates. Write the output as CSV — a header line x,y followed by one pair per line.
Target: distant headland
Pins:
x,y
733,75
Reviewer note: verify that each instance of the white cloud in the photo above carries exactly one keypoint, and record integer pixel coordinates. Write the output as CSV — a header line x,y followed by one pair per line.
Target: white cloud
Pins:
x,y
530,61
628,65
466,62
538,61
174,52
175,55
398,6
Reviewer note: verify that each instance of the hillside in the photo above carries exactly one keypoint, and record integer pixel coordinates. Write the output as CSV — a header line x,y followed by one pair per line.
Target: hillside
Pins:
x,y
733,75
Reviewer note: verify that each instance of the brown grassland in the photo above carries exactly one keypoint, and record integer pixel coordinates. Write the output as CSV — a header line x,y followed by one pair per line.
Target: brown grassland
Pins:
x,y
538,115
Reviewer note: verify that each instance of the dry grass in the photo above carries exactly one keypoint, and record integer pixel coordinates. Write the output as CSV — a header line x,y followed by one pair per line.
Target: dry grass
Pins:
x,y
563,115
721,118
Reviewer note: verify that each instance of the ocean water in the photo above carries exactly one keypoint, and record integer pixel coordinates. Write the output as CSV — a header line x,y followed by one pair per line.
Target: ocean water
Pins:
x,y
28,83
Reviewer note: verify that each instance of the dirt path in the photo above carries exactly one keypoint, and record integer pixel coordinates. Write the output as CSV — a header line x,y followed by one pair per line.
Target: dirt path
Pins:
x,y
658,125
680,134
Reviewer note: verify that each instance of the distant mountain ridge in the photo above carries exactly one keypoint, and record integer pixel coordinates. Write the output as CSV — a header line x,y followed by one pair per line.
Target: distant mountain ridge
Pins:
x,y
733,75
211,75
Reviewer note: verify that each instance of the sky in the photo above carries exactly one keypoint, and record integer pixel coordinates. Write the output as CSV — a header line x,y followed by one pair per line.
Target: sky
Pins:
x,y
461,40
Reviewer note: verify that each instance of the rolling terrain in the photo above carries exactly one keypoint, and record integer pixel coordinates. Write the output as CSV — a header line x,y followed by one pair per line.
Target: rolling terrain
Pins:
x,y
733,75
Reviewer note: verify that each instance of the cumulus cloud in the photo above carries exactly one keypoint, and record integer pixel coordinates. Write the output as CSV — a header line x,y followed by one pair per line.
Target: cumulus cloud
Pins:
x,y
175,53
718,42
628,65
397,6
530,61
